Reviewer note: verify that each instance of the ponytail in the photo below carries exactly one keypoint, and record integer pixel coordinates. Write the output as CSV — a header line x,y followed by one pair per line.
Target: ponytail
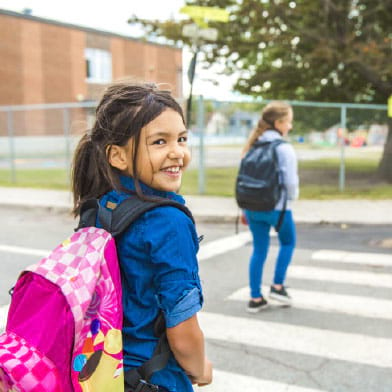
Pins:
x,y
92,175
261,127
275,110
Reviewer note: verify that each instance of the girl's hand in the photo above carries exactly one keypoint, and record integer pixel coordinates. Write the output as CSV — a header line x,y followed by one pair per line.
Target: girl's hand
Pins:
x,y
206,377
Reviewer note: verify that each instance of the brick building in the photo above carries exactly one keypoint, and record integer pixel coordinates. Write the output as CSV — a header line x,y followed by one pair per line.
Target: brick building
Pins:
x,y
45,61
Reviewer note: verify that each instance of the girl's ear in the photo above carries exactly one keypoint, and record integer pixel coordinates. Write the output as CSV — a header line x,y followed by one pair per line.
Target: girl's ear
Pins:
x,y
117,157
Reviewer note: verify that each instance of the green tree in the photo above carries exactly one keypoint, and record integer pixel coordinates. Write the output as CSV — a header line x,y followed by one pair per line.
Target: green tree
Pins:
x,y
326,50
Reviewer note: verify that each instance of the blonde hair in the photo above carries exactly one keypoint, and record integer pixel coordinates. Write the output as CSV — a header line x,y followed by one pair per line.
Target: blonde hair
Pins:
x,y
275,110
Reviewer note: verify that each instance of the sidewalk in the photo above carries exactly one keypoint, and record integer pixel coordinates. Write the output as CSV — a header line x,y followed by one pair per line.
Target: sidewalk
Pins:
x,y
222,209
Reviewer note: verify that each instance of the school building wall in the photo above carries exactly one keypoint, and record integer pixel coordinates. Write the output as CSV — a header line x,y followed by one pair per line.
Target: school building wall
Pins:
x,y
43,61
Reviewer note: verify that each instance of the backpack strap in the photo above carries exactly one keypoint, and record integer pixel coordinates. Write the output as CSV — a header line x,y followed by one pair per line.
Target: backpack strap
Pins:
x,y
89,211
138,379
118,219
281,215
133,208
275,144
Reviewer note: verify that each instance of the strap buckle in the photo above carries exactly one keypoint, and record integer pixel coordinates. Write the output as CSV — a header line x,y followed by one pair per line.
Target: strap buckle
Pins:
x,y
144,386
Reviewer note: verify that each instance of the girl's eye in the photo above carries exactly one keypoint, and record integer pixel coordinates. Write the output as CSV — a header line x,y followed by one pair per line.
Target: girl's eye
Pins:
x,y
183,139
159,141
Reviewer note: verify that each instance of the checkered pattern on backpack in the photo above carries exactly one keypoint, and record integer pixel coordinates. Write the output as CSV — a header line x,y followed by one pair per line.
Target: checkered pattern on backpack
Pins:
x,y
31,371
73,267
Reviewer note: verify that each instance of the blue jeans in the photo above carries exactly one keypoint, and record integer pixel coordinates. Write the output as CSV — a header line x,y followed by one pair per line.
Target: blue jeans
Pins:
x,y
260,223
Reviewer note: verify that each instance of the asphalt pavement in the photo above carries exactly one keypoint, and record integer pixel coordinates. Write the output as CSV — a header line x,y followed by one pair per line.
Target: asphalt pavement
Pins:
x,y
224,209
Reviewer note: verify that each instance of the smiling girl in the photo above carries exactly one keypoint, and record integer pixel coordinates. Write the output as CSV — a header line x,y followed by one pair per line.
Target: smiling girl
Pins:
x,y
138,145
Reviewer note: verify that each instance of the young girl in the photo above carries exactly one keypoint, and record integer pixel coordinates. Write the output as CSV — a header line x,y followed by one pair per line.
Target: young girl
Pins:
x,y
138,144
275,123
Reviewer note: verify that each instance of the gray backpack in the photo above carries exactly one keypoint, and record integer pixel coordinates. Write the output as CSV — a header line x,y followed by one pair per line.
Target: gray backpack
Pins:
x,y
259,184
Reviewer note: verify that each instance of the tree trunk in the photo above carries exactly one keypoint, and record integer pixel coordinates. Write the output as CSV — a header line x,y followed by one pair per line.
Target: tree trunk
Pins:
x,y
384,170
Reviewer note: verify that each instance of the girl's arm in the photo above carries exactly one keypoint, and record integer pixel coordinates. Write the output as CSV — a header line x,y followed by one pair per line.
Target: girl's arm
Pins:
x,y
186,341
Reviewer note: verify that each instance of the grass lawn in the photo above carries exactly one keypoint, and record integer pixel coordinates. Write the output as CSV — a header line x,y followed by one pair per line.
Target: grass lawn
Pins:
x,y
319,180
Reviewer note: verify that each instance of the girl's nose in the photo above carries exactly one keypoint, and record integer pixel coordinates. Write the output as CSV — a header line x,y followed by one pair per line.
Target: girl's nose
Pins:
x,y
176,153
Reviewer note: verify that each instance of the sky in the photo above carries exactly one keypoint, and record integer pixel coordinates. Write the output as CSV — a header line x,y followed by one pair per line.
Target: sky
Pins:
x,y
112,16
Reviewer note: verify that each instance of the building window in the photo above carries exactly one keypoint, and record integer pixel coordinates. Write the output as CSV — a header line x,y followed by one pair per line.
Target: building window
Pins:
x,y
98,65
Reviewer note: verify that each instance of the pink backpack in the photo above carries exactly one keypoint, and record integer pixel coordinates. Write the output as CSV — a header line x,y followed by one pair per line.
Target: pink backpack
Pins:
x,y
64,324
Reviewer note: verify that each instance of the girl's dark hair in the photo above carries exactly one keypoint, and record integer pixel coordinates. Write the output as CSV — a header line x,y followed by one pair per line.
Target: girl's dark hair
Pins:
x,y
123,111
273,111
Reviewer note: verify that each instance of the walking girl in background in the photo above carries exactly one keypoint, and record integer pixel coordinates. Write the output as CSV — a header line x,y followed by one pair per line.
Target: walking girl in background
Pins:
x,y
138,145
275,123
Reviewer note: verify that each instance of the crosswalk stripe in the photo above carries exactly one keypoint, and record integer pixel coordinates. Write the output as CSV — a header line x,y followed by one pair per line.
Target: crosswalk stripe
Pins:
x,y
330,302
207,250
3,317
24,250
376,259
343,346
341,276
232,382
223,245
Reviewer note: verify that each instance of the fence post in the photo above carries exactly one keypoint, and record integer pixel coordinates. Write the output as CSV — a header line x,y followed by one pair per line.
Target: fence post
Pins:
x,y
343,125
66,127
10,131
200,128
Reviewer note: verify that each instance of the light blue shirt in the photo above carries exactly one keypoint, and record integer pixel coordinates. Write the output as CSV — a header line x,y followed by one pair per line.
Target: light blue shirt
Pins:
x,y
288,165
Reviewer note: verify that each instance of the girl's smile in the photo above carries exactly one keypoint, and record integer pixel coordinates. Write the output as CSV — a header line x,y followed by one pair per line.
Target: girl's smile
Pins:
x,y
163,152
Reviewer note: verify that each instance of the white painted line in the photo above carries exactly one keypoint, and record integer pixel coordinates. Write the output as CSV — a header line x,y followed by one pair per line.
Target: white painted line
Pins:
x,y
373,279
223,245
232,382
329,302
322,343
377,259
207,250
24,251
3,317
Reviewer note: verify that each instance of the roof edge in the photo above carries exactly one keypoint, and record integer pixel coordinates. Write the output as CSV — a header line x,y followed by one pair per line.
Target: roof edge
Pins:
x,y
79,27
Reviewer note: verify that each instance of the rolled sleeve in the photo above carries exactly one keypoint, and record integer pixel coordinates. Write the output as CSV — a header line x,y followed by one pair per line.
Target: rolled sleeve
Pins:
x,y
185,308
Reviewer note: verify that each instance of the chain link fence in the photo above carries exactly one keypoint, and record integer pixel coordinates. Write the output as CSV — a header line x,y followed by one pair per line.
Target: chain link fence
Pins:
x,y
328,137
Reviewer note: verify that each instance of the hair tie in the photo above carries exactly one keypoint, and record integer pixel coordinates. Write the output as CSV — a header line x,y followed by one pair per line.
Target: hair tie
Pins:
x,y
89,135
149,98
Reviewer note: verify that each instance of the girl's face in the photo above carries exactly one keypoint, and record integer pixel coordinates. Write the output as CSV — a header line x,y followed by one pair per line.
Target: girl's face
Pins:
x,y
163,152
285,124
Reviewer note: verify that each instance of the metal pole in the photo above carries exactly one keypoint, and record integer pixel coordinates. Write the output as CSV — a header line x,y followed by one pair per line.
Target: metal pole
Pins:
x,y
200,128
10,129
343,125
191,76
67,138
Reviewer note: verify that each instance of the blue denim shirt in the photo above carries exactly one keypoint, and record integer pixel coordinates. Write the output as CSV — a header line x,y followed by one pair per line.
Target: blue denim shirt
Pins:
x,y
159,268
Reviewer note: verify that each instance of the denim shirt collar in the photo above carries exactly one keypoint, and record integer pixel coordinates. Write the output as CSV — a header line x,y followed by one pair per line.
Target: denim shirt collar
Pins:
x,y
129,183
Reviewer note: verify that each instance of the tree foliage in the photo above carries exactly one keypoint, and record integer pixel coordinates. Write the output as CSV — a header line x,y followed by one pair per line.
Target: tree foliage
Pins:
x,y
326,50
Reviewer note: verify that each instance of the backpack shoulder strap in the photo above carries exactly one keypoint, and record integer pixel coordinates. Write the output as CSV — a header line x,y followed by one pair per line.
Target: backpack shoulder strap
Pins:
x,y
117,220
133,208
273,143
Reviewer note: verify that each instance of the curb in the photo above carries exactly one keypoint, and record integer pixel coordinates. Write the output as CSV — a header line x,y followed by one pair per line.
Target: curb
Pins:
x,y
212,209
208,218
